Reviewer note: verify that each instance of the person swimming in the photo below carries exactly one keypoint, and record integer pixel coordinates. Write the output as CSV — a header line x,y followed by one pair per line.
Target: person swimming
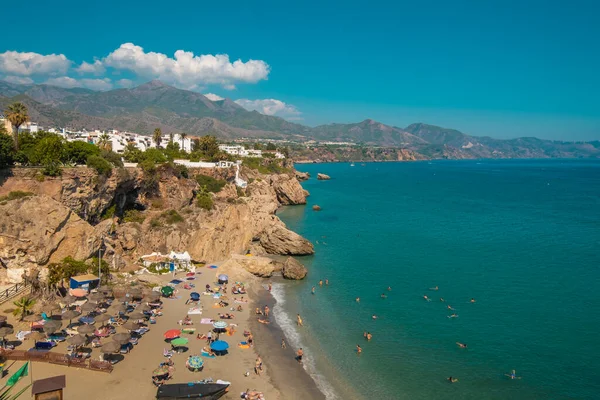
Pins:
x,y
426,298
453,316
434,288
461,345
369,336
389,288
442,299
450,307
358,349
513,375
472,300
374,316
313,290
358,299
383,295
452,380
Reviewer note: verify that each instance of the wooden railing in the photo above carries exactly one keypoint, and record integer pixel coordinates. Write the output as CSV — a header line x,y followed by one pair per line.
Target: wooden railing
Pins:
x,y
12,291
56,358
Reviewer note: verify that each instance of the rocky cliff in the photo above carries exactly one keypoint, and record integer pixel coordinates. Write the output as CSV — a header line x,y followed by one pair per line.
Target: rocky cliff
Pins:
x,y
68,215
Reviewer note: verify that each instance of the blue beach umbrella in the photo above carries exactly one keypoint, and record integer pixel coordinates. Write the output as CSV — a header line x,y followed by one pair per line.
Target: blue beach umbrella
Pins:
x,y
87,320
195,296
223,277
219,345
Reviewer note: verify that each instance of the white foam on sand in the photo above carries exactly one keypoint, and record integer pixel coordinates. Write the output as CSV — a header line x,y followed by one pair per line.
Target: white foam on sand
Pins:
x,y
289,328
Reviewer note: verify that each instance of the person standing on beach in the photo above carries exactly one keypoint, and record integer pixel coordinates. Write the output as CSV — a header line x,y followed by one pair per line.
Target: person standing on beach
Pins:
x,y
270,286
299,320
267,311
283,343
209,337
299,355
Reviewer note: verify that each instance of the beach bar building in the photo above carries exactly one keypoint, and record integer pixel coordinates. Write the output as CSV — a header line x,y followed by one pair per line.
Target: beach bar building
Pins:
x,y
86,282
49,388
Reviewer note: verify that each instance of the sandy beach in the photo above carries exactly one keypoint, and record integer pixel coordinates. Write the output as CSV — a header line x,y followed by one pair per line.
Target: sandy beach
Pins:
x,y
282,378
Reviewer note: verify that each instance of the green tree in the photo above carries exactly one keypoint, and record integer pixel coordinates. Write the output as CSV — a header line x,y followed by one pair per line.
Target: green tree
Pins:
x,y
101,166
257,146
7,150
49,152
183,135
157,137
78,152
172,151
132,153
208,145
156,156
171,137
271,146
104,142
17,114
23,307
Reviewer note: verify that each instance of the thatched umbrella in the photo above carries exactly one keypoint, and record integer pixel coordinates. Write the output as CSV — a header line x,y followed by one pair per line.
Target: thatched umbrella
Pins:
x,y
110,347
102,318
85,329
52,326
70,314
77,340
68,300
122,337
131,326
3,319
143,307
98,297
88,307
5,331
36,336
50,308
136,315
116,309
33,318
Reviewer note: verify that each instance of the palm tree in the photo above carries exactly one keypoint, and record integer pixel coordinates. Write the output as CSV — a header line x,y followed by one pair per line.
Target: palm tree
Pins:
x,y
157,137
171,136
17,114
104,142
24,306
182,135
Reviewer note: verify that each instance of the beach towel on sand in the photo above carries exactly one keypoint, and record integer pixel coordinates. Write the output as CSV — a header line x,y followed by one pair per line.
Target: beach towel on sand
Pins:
x,y
206,321
195,311
206,355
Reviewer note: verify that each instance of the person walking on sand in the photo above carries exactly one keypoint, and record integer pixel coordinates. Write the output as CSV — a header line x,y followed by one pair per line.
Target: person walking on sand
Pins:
x,y
283,343
299,355
299,320
267,311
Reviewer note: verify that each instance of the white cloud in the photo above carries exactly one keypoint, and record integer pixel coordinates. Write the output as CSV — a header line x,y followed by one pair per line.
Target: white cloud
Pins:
x,y
20,80
186,69
213,97
68,82
124,83
27,64
97,68
271,107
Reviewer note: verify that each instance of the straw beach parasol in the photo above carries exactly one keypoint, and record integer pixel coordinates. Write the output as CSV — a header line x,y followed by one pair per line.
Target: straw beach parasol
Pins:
x,y
131,326
32,318
102,318
36,336
122,337
77,340
88,307
110,347
136,315
85,329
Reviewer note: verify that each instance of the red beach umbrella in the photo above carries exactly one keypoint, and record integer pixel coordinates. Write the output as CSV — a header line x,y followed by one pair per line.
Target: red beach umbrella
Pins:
x,y
190,274
78,293
172,334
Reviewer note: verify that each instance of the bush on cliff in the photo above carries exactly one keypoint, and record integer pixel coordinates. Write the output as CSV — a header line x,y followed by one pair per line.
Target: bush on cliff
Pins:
x,y
112,158
6,150
204,201
210,184
103,167
150,178
171,217
133,216
16,194
78,152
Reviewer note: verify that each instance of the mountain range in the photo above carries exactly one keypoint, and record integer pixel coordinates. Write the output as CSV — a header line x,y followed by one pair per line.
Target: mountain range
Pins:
x,y
155,104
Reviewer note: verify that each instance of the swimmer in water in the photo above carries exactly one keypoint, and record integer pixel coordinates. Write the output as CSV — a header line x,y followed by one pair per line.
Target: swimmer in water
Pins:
x,y
442,299
313,290
450,307
358,299
321,282
383,296
374,316
426,298
461,345
369,336
389,288
358,349
452,380
434,288
513,375
472,300
453,316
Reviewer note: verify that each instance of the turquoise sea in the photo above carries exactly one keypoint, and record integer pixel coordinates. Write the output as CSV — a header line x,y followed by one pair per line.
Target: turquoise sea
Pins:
x,y
521,237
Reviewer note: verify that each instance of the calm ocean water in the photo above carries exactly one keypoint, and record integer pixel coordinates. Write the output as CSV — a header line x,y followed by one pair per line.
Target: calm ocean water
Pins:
x,y
521,237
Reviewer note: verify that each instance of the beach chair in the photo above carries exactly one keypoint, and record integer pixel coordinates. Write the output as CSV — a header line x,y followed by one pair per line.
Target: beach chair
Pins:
x,y
44,345
168,353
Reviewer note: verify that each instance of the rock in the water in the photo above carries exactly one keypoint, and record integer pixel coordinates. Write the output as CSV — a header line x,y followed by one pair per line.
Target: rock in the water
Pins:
x,y
316,208
302,176
277,239
323,177
293,269
258,266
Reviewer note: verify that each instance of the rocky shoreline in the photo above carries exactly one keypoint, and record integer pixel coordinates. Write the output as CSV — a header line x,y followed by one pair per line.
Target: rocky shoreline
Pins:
x,y
80,212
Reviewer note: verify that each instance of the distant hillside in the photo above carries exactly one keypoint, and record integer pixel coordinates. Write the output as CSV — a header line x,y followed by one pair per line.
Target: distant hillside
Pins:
x,y
155,104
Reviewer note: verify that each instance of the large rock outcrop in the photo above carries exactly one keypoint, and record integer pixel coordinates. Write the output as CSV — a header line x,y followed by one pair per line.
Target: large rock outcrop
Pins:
x,y
287,189
293,269
276,239
323,177
302,176
38,230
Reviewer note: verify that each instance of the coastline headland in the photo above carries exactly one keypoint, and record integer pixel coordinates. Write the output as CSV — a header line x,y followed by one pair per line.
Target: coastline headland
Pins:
x,y
83,213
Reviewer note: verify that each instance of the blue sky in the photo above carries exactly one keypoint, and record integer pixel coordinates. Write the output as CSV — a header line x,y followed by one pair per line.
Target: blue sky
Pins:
x,y
497,68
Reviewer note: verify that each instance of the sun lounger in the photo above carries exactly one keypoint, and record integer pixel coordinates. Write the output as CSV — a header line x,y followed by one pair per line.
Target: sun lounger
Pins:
x,y
189,331
44,345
